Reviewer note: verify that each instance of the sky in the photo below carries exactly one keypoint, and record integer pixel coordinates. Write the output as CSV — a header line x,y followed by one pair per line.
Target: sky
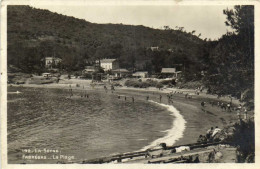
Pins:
x,y
207,20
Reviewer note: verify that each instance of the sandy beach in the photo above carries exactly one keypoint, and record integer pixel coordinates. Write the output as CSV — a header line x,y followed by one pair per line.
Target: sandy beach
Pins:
x,y
197,121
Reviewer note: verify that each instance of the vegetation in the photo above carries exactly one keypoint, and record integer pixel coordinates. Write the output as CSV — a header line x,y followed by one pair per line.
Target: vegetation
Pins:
x,y
143,84
34,34
228,62
243,137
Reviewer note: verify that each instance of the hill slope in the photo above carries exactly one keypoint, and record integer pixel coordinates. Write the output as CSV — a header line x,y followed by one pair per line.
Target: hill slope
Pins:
x,y
36,33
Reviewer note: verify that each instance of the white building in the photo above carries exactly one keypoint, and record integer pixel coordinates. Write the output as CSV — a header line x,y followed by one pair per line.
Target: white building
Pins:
x,y
154,48
49,61
109,64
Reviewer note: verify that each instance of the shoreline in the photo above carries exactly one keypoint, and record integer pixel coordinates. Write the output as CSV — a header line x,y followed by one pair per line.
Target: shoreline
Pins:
x,y
197,122
174,133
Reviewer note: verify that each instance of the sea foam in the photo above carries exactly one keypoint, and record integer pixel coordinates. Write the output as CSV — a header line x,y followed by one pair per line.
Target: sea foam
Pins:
x,y
173,134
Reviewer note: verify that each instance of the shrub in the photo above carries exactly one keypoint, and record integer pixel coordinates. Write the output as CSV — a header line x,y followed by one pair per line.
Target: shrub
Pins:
x,y
159,85
140,84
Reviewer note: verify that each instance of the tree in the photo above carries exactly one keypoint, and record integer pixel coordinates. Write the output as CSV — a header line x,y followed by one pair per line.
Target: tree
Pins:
x,y
232,59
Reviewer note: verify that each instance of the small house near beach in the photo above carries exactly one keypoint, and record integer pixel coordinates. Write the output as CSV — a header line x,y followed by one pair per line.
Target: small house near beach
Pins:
x,y
143,74
120,72
170,73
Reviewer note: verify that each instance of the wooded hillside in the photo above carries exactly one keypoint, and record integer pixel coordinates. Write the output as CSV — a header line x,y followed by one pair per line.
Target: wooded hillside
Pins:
x,y
36,33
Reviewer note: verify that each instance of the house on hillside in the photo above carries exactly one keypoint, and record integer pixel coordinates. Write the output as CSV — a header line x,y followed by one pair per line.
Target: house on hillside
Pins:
x,y
154,48
170,73
120,72
50,61
143,74
109,64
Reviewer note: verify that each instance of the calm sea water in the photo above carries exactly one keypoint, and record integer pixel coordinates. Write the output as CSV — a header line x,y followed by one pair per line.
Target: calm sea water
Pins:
x,y
86,128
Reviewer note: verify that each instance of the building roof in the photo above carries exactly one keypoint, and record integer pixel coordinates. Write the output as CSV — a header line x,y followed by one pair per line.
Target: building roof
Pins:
x,y
138,73
168,70
120,70
50,58
107,60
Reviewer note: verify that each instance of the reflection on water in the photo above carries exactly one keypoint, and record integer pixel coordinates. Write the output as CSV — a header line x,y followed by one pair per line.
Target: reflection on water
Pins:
x,y
86,128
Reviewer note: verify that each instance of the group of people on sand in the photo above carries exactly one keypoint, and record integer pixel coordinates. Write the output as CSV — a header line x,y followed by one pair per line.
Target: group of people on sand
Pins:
x,y
224,106
229,107
211,135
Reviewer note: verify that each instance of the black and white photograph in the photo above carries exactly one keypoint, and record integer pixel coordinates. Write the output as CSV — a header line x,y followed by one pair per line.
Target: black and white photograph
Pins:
x,y
130,84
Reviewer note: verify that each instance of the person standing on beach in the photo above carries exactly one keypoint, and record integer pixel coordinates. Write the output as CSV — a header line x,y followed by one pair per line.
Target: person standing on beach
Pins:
x,y
229,107
160,98
112,88
133,99
209,133
245,114
147,98
105,87
202,104
125,98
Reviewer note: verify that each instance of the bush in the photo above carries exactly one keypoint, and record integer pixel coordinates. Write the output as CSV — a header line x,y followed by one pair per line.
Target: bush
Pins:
x,y
159,85
244,139
140,84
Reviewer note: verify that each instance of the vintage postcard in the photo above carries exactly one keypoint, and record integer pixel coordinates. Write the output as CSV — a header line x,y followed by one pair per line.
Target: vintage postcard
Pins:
x,y
116,83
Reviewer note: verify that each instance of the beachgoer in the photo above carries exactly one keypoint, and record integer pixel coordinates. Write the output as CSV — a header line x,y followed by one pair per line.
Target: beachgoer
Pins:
x,y
147,97
186,95
202,104
133,99
182,148
163,145
229,107
112,88
105,87
125,98
223,107
118,96
209,132
160,98
245,114
202,139
239,107
210,102
216,130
